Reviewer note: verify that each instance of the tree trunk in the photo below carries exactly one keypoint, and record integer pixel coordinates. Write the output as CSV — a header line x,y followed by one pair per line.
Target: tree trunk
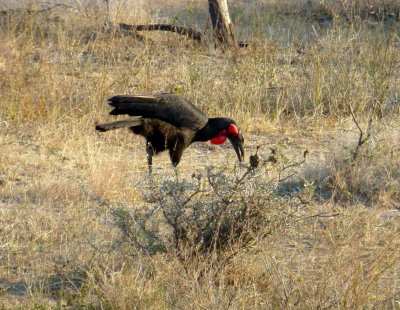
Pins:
x,y
221,22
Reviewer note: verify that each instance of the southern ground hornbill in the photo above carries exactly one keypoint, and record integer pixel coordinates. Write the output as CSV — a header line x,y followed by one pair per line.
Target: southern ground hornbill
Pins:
x,y
170,122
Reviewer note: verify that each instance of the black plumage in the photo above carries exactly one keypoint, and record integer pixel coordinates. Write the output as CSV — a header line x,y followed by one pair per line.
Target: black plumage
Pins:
x,y
170,122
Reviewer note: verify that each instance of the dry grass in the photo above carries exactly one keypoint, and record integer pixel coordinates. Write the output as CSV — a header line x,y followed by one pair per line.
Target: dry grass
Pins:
x,y
290,90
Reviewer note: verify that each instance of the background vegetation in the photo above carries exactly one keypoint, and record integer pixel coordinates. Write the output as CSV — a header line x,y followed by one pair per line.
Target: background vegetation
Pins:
x,y
82,225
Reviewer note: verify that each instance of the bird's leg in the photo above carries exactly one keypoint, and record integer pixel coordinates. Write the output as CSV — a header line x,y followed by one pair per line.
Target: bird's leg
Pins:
x,y
175,155
176,173
175,165
149,152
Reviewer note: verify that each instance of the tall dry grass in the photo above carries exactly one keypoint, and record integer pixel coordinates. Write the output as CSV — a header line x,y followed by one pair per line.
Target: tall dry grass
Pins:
x,y
290,90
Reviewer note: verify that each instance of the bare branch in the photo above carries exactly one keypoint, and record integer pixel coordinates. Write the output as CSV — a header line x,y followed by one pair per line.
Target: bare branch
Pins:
x,y
185,31
361,140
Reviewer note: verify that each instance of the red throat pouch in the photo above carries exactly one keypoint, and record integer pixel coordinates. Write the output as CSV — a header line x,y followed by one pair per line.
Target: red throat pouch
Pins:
x,y
221,138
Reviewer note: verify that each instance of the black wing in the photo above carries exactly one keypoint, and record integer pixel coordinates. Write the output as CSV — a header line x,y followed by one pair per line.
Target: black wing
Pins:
x,y
169,108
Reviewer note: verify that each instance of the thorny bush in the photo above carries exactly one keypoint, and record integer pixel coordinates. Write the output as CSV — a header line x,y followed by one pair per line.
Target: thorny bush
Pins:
x,y
213,210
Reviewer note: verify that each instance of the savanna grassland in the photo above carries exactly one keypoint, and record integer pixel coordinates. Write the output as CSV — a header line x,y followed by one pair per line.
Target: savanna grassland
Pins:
x,y
315,226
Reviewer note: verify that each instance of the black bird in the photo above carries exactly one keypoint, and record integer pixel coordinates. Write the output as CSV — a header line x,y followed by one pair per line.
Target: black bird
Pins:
x,y
170,122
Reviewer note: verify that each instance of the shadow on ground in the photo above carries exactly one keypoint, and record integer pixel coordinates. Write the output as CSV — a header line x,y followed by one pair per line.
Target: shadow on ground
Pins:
x,y
51,285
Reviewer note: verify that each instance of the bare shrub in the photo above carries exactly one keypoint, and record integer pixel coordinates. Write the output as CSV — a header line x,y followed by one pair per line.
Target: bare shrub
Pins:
x,y
366,171
216,209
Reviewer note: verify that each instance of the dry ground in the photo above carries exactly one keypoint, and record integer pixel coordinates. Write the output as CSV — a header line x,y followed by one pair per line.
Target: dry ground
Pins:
x,y
60,181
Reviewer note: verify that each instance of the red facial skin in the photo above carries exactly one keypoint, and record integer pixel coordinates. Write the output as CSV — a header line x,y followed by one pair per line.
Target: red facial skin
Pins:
x,y
223,134
233,130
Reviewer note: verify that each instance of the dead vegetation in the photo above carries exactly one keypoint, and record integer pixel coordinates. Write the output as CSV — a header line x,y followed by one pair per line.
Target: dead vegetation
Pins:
x,y
312,221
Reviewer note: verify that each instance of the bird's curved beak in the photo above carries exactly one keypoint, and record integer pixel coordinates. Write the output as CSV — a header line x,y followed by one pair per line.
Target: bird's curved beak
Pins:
x,y
237,142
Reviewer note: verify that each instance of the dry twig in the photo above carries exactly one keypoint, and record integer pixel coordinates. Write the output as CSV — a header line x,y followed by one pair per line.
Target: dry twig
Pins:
x,y
361,138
